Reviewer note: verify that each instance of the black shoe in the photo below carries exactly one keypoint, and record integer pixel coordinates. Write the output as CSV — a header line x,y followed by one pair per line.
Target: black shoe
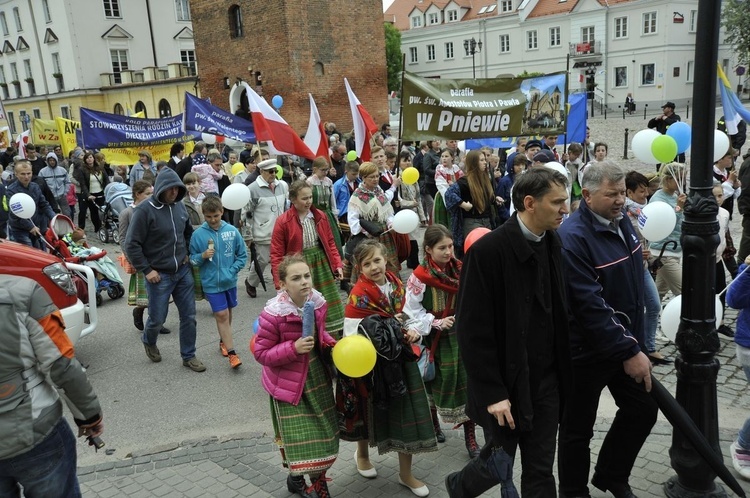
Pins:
x,y
165,330
138,317
251,291
344,286
297,484
439,435
656,360
618,489
724,330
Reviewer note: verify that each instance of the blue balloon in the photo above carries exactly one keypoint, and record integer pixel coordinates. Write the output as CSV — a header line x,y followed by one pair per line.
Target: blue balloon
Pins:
x,y
682,134
277,101
255,326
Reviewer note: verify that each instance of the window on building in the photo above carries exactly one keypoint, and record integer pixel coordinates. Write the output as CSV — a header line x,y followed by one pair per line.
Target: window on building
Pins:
x,y
27,67
413,56
433,18
14,71
621,27
24,119
693,21
506,5
118,109
112,8
554,37
165,110
45,9
532,41
649,23
65,111
11,121
119,63
183,9
37,113
56,67
690,71
4,23
141,107
416,22
17,18
587,34
448,50
504,44
187,57
235,21
452,15
430,53
647,74
2,75
621,76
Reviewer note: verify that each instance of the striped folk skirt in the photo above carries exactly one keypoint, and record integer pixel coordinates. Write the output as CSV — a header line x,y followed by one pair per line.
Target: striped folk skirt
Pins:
x,y
307,434
440,214
448,389
137,288
323,282
336,231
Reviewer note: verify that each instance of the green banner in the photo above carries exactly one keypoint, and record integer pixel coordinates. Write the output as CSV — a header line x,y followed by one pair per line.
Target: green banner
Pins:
x,y
463,109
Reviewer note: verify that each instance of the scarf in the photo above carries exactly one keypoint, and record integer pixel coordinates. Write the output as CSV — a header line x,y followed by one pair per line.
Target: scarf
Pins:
x,y
366,298
444,279
378,211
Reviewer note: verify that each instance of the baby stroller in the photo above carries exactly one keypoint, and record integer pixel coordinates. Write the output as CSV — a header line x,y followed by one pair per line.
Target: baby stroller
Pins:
x,y
59,243
117,197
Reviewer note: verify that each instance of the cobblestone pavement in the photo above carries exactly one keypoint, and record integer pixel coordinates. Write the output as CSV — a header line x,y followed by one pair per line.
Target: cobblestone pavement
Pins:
x,y
249,465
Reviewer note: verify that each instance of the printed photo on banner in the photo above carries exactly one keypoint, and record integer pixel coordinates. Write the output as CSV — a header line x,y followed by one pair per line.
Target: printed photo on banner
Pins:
x,y
500,107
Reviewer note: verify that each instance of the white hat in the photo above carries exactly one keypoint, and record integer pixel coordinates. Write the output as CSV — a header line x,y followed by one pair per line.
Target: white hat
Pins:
x,y
267,164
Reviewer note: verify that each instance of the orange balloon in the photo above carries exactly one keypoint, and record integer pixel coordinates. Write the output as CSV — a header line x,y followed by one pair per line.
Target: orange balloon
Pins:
x,y
473,236
252,344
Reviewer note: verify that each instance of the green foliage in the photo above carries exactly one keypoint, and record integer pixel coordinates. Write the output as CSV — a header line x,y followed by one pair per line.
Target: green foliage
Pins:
x,y
393,56
736,21
526,74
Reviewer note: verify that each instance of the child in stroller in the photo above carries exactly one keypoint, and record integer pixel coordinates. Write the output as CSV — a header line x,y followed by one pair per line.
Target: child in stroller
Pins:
x,y
68,242
117,197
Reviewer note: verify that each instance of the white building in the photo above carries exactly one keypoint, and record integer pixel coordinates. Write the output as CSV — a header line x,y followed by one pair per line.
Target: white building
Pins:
x,y
110,55
616,47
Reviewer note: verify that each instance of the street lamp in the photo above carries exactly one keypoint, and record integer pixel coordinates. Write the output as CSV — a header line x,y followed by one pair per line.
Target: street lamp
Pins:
x,y
473,47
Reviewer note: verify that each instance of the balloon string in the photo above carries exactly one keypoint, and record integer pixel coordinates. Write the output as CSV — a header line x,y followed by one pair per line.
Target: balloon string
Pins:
x,y
733,281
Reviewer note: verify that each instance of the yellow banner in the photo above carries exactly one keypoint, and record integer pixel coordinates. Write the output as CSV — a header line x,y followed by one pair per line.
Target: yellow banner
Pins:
x,y
44,132
66,128
129,155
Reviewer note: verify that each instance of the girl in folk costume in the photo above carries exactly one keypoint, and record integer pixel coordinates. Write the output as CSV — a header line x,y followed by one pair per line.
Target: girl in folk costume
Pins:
x,y
446,174
290,344
400,423
371,204
305,229
323,198
409,198
430,303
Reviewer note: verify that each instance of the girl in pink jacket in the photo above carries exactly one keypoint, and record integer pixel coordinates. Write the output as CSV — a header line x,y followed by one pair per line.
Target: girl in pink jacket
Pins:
x,y
290,345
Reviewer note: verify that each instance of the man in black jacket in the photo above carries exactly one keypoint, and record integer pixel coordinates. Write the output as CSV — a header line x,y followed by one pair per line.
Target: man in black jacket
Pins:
x,y
743,206
511,312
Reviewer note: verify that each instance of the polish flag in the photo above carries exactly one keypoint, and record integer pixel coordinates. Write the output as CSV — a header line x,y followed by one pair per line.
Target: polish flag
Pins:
x,y
364,126
21,142
316,138
272,128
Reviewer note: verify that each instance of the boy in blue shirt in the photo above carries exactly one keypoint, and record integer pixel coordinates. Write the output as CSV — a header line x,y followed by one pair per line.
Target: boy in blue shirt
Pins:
x,y
218,250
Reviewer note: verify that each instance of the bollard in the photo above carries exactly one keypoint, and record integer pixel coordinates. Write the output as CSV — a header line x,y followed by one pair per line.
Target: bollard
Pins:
x,y
623,111
625,149
687,110
645,108
605,112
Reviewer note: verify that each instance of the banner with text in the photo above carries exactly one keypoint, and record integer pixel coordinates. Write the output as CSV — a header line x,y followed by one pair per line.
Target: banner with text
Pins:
x,y
66,129
44,132
201,116
102,129
463,109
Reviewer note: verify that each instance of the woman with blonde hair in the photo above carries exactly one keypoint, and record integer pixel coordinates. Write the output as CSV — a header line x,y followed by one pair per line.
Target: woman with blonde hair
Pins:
x,y
471,200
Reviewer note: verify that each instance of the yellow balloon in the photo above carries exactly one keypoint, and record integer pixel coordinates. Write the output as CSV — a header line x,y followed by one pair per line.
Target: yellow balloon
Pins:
x,y
354,356
410,175
236,168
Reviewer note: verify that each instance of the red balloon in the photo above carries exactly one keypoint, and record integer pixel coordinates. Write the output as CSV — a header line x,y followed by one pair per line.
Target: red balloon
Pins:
x,y
473,236
252,344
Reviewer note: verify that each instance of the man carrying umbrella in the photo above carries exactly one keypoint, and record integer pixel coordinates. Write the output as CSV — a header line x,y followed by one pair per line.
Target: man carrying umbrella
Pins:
x,y
269,197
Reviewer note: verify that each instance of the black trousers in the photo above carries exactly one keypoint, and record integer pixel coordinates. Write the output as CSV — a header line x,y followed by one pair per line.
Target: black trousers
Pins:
x,y
537,449
744,248
635,417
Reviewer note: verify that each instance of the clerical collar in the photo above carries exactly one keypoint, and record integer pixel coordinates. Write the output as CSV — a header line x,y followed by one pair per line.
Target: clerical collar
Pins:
x,y
528,234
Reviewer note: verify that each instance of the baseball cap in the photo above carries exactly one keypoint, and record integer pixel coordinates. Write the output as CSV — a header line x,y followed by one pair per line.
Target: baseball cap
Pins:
x,y
668,104
544,156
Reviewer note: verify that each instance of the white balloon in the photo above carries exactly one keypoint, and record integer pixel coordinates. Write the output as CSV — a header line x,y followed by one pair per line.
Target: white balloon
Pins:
x,y
721,144
208,139
642,145
22,205
657,220
670,316
405,221
235,196
462,146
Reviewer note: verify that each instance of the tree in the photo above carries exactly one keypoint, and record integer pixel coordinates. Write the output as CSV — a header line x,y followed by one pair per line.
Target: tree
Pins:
x,y
736,22
393,56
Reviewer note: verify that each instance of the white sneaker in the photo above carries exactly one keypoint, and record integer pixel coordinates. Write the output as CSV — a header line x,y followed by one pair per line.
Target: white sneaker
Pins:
x,y
740,460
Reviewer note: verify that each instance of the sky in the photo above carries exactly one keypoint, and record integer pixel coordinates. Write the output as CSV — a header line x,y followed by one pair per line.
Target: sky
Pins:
x,y
386,4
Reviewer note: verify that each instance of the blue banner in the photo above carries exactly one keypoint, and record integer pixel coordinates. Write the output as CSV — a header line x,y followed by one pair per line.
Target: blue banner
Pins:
x,y
104,130
201,116
575,126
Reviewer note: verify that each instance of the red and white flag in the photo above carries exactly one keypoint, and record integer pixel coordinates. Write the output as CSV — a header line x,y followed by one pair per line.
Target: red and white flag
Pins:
x,y
272,128
21,142
364,126
316,138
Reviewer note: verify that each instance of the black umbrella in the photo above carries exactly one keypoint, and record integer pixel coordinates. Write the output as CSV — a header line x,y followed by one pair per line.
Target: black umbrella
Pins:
x,y
680,420
653,268
256,265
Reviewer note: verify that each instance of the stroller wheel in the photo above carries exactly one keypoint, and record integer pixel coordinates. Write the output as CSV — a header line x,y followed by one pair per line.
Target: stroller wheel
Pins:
x,y
113,292
116,236
122,290
104,234
98,299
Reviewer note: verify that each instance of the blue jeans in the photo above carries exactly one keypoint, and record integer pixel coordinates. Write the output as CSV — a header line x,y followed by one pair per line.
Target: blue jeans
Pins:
x,y
653,308
743,354
180,286
25,238
47,470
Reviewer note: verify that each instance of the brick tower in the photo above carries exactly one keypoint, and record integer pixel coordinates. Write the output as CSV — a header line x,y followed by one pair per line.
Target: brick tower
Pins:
x,y
292,48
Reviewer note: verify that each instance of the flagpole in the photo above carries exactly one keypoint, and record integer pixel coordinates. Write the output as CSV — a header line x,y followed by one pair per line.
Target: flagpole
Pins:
x,y
401,104
567,104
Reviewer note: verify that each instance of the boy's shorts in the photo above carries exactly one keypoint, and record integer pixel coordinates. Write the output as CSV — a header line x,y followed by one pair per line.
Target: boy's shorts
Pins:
x,y
220,301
